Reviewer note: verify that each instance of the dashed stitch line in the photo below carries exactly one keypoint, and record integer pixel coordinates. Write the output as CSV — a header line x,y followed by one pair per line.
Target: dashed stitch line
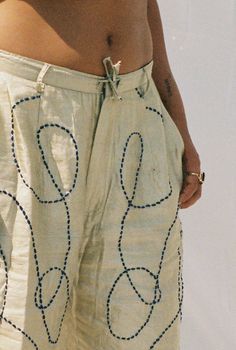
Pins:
x,y
63,274
38,295
127,269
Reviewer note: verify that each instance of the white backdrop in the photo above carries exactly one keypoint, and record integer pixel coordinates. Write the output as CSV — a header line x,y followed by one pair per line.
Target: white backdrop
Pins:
x,y
200,37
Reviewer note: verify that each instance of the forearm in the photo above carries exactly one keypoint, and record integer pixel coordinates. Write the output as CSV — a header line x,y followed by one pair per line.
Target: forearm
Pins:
x,y
162,74
171,98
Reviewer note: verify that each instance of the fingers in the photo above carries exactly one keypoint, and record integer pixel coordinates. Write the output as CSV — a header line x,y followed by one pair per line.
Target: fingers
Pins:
x,y
190,192
192,199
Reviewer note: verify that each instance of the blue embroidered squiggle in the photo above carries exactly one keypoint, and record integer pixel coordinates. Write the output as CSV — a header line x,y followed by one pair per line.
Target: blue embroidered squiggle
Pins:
x,y
38,296
155,276
63,278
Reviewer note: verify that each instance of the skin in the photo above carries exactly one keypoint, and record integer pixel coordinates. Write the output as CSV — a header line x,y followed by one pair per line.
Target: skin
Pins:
x,y
164,80
79,34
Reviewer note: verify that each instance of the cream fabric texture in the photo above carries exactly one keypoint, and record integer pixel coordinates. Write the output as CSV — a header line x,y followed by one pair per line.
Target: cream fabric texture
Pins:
x,y
90,238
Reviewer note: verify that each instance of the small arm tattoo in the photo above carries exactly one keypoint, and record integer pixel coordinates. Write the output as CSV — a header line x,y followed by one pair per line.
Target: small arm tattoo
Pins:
x,y
168,85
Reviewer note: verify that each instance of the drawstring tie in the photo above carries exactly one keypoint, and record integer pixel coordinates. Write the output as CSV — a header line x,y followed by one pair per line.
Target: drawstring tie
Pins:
x,y
113,77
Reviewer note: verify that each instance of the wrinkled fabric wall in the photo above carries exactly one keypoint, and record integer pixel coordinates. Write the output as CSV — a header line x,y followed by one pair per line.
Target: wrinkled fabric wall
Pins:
x,y
200,37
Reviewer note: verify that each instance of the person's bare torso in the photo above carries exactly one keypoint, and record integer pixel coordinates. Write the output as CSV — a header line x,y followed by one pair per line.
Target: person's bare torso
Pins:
x,y
78,34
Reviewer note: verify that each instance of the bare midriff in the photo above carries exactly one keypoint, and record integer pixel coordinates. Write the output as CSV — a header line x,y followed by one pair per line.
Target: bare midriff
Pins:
x,y
78,34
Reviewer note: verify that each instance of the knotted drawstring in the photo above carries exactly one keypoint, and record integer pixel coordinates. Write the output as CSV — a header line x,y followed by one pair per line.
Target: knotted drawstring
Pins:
x,y
112,79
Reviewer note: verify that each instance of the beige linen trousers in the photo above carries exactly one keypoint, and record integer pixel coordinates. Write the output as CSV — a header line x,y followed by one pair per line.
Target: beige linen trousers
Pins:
x,y
90,237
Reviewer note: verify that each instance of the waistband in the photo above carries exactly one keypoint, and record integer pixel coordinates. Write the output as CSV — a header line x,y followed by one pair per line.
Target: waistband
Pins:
x,y
46,73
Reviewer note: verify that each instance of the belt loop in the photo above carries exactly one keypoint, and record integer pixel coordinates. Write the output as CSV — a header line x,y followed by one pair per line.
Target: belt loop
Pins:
x,y
39,82
148,80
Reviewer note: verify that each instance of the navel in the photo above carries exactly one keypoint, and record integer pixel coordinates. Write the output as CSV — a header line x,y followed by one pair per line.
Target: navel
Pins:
x,y
109,39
